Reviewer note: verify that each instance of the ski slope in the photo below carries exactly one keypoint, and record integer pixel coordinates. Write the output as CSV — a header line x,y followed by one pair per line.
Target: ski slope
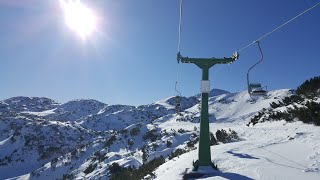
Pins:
x,y
277,150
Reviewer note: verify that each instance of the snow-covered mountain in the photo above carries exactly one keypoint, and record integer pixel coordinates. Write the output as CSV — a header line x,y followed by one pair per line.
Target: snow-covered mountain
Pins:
x,y
215,92
82,139
19,104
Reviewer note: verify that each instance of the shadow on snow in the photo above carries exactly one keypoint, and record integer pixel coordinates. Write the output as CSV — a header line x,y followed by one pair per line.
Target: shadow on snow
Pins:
x,y
241,155
226,175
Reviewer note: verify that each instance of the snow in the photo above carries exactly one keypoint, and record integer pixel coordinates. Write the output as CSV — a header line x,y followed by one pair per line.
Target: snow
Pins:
x,y
5,140
78,134
215,92
267,152
43,113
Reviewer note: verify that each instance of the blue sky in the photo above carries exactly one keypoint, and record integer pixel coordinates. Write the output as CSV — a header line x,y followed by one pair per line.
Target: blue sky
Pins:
x,y
132,59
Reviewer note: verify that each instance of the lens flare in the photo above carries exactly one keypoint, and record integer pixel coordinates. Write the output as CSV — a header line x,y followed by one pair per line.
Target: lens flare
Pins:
x,y
79,18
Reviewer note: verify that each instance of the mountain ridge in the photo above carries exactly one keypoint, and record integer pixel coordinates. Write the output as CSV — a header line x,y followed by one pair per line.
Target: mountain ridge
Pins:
x,y
99,134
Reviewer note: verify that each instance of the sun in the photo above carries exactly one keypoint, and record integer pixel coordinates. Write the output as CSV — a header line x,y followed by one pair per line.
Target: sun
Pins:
x,y
79,18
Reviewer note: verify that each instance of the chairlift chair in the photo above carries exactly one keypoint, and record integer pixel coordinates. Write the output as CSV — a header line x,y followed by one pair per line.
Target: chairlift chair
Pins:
x,y
256,89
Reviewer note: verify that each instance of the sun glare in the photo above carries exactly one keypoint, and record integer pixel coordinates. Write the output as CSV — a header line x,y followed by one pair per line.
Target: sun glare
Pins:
x,y
79,18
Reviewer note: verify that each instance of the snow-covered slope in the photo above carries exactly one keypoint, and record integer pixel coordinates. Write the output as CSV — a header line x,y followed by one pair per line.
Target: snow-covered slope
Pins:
x,y
36,104
277,150
82,138
215,92
238,105
27,141
76,109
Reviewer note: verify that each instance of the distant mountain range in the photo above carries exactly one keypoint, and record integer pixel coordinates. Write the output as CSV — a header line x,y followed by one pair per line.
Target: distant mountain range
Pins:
x,y
43,139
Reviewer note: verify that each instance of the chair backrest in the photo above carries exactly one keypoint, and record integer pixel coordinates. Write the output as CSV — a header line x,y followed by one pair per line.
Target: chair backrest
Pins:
x,y
255,87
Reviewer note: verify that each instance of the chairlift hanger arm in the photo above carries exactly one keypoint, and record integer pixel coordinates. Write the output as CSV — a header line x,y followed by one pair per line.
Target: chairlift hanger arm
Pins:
x,y
260,60
175,88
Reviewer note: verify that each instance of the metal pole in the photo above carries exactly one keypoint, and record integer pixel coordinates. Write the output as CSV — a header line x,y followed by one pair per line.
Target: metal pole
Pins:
x,y
204,142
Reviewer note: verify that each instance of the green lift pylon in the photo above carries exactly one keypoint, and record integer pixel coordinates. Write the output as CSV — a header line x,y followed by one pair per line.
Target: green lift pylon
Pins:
x,y
204,155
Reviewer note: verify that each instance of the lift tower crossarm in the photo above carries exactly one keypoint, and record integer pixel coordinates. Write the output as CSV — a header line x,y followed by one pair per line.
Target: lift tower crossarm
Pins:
x,y
207,61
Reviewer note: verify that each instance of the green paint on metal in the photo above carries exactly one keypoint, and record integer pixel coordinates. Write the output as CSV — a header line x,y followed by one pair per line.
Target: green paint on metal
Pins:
x,y
204,153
